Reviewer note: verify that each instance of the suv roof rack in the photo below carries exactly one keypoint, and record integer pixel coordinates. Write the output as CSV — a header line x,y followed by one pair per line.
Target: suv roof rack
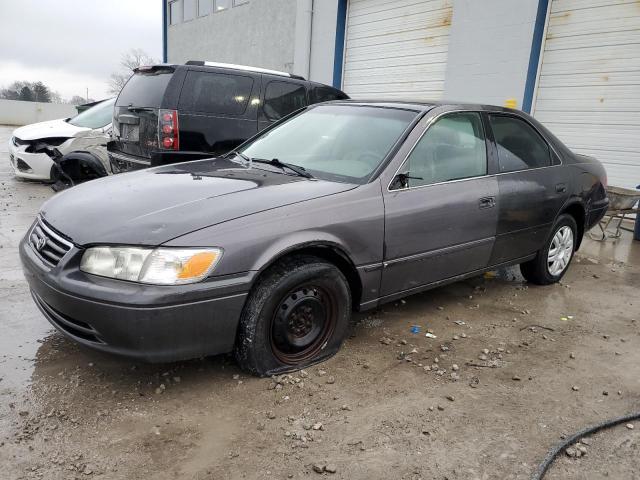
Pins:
x,y
247,68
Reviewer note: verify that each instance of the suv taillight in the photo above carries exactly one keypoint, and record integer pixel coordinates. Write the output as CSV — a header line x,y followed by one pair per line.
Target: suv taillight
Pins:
x,y
168,135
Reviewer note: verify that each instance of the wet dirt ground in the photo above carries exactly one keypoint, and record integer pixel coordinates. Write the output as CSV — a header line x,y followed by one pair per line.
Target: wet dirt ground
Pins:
x,y
513,369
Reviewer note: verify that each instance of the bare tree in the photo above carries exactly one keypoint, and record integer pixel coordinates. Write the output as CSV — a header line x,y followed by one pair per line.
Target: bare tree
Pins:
x,y
27,91
129,61
79,100
55,97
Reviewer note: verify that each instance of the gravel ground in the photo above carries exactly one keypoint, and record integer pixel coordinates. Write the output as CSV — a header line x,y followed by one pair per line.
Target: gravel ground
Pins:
x,y
513,369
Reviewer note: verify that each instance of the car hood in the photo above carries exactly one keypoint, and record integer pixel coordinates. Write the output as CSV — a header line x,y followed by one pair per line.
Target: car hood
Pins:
x,y
153,206
51,128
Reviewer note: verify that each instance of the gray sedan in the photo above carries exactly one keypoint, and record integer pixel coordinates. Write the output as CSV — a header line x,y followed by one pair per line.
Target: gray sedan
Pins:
x,y
341,206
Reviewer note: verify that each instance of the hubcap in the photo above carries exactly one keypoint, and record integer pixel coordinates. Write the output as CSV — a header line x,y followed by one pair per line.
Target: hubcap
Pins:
x,y
302,323
560,251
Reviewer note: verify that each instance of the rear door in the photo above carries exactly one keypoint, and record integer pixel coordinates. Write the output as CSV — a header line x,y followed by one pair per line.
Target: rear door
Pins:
x,y
135,126
441,208
533,187
218,110
281,96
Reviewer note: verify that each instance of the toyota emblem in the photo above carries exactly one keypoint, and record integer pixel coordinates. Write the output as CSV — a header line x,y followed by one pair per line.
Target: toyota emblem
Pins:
x,y
40,243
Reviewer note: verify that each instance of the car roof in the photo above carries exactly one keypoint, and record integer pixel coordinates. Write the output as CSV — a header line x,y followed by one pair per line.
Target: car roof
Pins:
x,y
219,65
424,106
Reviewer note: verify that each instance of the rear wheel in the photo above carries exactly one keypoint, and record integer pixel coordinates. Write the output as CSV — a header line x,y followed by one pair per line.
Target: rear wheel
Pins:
x,y
296,315
552,261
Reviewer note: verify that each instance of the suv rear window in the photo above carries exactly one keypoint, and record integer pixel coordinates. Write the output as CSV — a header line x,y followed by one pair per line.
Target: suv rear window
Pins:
x,y
219,93
145,89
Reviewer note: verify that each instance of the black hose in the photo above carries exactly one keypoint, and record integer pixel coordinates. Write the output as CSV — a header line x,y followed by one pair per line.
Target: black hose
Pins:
x,y
553,453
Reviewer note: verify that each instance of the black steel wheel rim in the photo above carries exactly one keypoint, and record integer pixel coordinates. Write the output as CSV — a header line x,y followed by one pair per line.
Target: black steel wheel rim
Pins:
x,y
302,323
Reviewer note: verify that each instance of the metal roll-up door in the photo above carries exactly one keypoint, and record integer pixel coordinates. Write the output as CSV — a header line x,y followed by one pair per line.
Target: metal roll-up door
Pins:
x,y
588,90
396,49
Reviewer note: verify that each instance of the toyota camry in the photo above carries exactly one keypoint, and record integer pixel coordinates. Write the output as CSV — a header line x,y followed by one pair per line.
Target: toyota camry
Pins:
x,y
341,206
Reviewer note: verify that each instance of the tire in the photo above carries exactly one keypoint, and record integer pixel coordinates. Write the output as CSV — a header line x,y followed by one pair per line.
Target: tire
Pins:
x,y
296,315
545,269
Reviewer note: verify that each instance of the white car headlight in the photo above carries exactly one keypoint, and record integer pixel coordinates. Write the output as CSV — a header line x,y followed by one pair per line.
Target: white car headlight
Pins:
x,y
158,266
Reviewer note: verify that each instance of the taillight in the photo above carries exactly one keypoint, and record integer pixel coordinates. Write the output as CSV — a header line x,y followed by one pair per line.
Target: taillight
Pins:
x,y
168,135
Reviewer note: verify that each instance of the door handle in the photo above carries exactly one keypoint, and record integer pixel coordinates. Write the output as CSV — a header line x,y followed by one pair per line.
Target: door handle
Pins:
x,y
487,202
561,188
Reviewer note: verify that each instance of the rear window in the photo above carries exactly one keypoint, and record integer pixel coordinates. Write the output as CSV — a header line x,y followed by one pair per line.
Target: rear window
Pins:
x,y
145,89
218,93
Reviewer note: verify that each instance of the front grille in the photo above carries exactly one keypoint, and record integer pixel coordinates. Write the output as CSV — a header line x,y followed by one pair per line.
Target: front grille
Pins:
x,y
75,328
49,246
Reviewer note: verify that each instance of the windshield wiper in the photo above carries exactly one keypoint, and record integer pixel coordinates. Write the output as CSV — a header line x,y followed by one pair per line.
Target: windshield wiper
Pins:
x,y
297,169
131,108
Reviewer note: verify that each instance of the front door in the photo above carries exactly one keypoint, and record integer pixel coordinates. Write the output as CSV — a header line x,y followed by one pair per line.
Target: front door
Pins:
x,y
441,208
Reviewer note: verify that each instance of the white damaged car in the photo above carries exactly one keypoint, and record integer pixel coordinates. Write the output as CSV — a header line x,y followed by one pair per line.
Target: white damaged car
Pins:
x,y
32,148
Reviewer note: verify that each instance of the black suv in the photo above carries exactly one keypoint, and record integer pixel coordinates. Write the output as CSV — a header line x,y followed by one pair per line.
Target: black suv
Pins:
x,y
175,113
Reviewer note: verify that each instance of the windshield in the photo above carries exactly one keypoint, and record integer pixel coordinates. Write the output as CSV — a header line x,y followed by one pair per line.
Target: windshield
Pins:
x,y
97,116
335,142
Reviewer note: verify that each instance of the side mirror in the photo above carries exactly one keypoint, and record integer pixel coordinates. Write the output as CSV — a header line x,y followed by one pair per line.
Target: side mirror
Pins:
x,y
401,181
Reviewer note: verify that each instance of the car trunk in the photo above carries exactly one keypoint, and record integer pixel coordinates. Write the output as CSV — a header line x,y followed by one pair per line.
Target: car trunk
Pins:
x,y
135,118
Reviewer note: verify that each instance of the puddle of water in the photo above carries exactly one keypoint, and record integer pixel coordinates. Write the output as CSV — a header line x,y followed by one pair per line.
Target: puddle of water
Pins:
x,y
22,325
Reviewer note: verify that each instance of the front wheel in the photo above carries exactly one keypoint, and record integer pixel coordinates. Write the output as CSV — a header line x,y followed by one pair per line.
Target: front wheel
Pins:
x,y
295,316
552,260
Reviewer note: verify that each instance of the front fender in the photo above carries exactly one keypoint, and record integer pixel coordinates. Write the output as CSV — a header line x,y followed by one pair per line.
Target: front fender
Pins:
x,y
297,241
351,221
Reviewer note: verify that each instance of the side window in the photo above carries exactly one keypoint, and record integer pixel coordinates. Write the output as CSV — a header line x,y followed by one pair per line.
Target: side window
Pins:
x,y
282,98
451,149
325,94
204,7
219,5
215,93
174,13
519,146
189,10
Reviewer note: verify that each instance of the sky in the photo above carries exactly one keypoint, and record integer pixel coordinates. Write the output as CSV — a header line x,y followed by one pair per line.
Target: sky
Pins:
x,y
72,45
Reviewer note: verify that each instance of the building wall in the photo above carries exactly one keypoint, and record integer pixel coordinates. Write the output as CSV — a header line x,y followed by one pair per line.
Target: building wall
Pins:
x,y
323,40
260,33
15,112
489,50
488,54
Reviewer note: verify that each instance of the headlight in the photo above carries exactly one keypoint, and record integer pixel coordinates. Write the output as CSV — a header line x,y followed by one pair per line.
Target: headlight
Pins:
x,y
159,266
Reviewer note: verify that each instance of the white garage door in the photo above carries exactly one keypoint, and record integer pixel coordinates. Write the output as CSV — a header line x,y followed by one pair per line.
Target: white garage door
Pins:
x,y
396,48
589,85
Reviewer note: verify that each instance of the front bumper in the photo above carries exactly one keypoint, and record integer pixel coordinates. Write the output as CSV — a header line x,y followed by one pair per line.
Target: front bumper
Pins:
x,y
35,166
145,322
